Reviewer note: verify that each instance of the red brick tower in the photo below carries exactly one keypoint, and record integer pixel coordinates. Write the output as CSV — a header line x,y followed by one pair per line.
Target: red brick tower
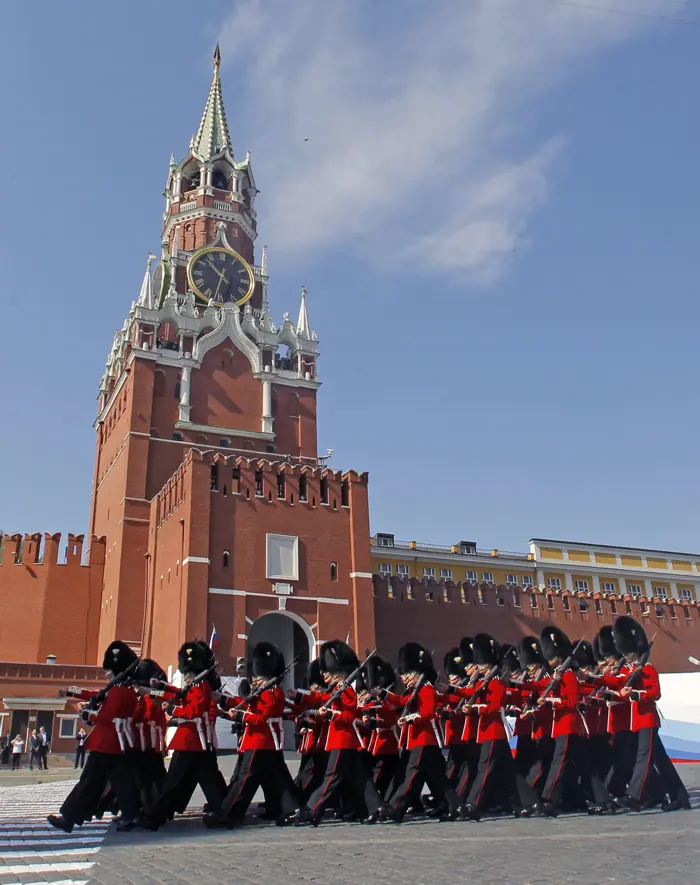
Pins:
x,y
207,485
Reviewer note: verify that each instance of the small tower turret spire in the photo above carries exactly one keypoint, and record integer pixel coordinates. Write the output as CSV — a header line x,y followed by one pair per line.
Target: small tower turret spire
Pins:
x,y
303,325
146,294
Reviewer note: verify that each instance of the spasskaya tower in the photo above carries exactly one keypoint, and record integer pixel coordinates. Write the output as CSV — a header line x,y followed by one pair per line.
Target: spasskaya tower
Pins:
x,y
201,382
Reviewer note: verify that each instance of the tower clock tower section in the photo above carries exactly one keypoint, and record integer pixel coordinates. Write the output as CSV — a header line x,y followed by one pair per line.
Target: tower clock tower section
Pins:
x,y
198,363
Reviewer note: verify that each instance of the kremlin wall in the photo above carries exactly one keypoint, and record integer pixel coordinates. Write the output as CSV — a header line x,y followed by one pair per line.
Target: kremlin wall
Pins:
x,y
211,508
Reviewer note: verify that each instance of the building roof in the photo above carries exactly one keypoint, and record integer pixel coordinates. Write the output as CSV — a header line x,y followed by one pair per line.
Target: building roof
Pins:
x,y
611,547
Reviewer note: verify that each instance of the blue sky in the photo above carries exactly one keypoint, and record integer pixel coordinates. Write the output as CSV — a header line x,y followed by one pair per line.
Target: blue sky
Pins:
x,y
496,217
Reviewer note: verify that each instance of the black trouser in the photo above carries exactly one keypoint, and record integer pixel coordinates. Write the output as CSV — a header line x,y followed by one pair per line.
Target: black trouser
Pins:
x,y
34,757
424,765
526,756
543,762
16,758
383,770
100,769
260,768
43,758
80,757
344,768
150,773
600,752
651,754
462,765
496,774
189,784
187,769
571,758
624,752
310,774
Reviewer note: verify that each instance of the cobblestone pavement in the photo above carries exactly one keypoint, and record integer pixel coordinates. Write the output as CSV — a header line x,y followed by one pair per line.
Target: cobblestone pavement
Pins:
x,y
629,848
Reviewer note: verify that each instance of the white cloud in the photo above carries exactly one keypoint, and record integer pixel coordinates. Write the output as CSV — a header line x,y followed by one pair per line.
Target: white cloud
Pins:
x,y
414,113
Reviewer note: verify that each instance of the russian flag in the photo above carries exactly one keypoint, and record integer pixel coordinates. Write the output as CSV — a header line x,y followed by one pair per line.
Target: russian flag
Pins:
x,y
214,640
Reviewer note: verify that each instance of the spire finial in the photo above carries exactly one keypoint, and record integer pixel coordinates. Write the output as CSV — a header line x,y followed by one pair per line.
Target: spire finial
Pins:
x,y
145,298
263,262
217,59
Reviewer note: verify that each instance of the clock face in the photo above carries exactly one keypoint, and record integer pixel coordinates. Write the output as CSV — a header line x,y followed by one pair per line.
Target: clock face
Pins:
x,y
220,274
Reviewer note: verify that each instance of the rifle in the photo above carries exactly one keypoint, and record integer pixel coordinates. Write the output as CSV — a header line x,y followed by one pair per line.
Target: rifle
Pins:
x,y
412,698
339,690
531,703
257,692
639,666
95,699
160,689
559,672
493,672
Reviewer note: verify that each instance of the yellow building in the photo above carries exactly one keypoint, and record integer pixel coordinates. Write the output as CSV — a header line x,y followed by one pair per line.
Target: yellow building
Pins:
x,y
549,564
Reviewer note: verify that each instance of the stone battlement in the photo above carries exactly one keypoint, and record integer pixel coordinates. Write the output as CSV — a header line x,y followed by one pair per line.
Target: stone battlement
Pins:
x,y
45,550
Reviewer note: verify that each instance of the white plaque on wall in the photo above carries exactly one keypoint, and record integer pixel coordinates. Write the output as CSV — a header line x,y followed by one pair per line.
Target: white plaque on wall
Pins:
x,y
282,557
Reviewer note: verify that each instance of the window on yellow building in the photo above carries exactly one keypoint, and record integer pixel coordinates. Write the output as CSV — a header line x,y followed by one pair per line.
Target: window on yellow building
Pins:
x,y
402,570
446,574
607,587
527,581
554,583
385,569
635,590
582,586
471,577
686,594
487,577
511,579
661,592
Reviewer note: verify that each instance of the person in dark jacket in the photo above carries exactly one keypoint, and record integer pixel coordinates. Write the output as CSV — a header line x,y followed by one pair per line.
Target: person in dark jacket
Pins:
x,y
80,739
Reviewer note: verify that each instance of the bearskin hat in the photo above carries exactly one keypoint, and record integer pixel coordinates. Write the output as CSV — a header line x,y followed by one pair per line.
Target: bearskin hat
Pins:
x,y
486,650
314,676
630,637
193,658
466,651
415,658
378,673
149,669
510,660
268,660
585,656
604,644
118,657
213,678
452,664
555,643
529,652
337,657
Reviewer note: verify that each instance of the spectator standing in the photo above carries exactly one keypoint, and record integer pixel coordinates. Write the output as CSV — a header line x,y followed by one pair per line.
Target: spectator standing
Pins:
x,y
44,748
5,757
17,747
34,750
80,748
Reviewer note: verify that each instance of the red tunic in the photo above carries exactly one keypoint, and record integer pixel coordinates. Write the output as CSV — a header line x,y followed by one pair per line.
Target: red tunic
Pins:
x,y
149,724
423,729
382,738
112,722
190,735
263,721
342,731
646,690
564,698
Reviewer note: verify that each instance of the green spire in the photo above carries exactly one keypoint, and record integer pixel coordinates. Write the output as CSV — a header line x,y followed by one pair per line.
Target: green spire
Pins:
x,y
213,135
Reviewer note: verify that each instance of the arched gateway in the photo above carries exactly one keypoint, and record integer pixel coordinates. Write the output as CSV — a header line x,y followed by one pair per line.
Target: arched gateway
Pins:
x,y
291,634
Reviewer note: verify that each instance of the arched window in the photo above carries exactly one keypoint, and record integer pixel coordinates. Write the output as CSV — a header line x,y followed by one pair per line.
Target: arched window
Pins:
x,y
178,388
219,180
334,571
224,443
226,558
159,383
154,431
178,436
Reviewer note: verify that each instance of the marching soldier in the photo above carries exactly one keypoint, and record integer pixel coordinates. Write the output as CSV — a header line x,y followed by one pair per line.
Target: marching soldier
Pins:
x,y
344,767
261,760
193,760
110,713
149,730
641,686
313,732
382,747
420,737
